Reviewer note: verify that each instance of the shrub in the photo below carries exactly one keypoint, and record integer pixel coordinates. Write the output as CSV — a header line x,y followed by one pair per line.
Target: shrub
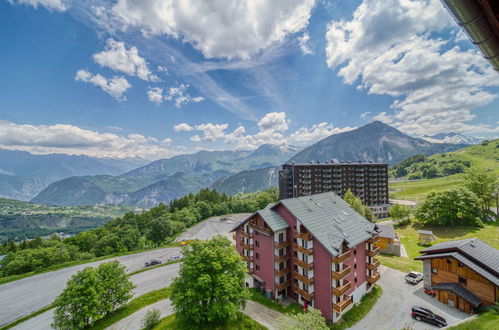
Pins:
x,y
152,319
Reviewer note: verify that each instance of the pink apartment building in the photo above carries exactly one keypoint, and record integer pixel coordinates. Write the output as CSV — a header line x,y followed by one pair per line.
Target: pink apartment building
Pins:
x,y
315,249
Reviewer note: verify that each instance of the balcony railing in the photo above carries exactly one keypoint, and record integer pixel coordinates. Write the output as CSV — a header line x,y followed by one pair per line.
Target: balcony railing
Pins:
x,y
305,236
373,278
341,289
373,239
305,294
283,285
280,272
342,273
261,229
342,305
302,249
303,278
373,252
246,234
304,264
282,258
374,264
280,245
341,257
246,246
247,259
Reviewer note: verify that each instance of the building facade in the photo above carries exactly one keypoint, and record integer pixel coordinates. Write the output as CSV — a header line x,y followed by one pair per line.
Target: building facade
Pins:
x,y
367,181
465,273
388,242
313,249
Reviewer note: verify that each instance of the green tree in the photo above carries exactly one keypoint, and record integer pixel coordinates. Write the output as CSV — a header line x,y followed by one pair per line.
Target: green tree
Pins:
x,y
115,285
210,287
312,319
368,214
399,212
457,206
158,230
80,302
483,183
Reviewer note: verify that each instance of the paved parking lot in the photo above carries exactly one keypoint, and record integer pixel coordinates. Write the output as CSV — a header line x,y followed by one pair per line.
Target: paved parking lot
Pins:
x,y
212,227
392,311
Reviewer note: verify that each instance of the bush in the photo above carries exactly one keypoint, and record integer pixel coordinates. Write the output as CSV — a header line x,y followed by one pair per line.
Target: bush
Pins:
x,y
152,319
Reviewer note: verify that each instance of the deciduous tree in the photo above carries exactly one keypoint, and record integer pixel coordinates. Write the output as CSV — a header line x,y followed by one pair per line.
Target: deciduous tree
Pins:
x,y
483,183
312,319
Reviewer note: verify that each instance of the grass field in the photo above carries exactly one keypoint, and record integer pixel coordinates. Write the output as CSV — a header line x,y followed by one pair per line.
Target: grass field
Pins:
x,y
259,298
489,320
409,237
243,322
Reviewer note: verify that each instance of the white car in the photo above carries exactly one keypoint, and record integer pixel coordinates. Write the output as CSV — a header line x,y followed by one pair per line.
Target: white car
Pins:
x,y
414,277
172,258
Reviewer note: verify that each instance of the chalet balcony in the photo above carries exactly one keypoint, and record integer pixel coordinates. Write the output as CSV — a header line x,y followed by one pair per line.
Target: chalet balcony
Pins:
x,y
246,246
373,239
304,294
281,258
302,249
342,305
373,252
373,264
246,234
341,257
305,236
373,278
303,278
261,229
280,272
304,264
341,289
283,285
342,273
247,259
280,245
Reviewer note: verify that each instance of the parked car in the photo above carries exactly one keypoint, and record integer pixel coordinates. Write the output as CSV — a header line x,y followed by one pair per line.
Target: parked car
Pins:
x,y
426,315
414,277
153,262
171,258
430,292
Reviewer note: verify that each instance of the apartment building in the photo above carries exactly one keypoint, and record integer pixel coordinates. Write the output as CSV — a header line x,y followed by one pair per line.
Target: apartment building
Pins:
x,y
314,249
367,181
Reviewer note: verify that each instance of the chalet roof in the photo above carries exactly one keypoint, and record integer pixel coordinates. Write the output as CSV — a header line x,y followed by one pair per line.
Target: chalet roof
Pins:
x,y
460,291
330,220
472,248
386,231
468,262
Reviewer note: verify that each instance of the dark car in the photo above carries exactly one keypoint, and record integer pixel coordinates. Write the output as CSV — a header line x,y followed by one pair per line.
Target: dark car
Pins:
x,y
426,315
153,262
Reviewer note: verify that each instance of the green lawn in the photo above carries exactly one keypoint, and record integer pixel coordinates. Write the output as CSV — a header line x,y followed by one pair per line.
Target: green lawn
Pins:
x,y
488,320
260,298
243,322
418,189
409,237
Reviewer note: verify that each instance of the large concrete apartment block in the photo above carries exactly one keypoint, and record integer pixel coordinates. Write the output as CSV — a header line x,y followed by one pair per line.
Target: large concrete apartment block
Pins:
x,y
367,181
314,249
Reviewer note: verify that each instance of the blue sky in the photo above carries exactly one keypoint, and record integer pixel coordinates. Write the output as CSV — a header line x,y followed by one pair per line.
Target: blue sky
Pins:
x,y
158,78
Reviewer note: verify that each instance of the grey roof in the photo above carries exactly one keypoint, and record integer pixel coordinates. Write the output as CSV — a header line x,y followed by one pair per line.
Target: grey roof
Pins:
x,y
386,231
330,219
426,232
468,262
271,218
473,248
460,291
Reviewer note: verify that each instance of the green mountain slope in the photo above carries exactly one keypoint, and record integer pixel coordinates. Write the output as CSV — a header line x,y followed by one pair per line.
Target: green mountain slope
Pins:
x,y
248,181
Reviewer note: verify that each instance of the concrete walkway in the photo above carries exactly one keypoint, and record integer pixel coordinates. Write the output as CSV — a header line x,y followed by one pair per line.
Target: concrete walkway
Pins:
x,y
134,321
403,252
262,314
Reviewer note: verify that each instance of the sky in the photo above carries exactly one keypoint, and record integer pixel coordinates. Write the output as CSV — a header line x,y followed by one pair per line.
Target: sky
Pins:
x,y
157,78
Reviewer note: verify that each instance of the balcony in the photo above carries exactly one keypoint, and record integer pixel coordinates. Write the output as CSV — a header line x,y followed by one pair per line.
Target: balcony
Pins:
x,y
304,264
373,278
261,229
302,249
341,257
305,236
247,259
280,245
246,234
373,252
341,289
246,246
283,285
303,278
281,258
280,272
342,305
342,273
373,239
304,294
373,265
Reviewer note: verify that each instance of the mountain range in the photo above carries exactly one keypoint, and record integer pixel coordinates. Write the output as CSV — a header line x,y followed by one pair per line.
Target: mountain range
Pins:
x,y
453,138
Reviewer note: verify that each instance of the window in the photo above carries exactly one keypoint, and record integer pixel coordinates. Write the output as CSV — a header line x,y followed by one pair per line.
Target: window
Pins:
x,y
281,266
354,266
257,233
257,255
448,261
304,243
305,272
434,270
355,280
305,287
355,252
281,252
281,279
460,264
257,243
257,267
305,258
281,237
462,280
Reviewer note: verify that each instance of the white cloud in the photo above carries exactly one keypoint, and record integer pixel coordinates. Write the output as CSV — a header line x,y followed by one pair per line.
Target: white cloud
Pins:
x,y
307,136
58,5
69,139
212,132
115,86
183,127
195,138
155,94
274,121
303,40
389,49
119,58
364,115
218,28
180,97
